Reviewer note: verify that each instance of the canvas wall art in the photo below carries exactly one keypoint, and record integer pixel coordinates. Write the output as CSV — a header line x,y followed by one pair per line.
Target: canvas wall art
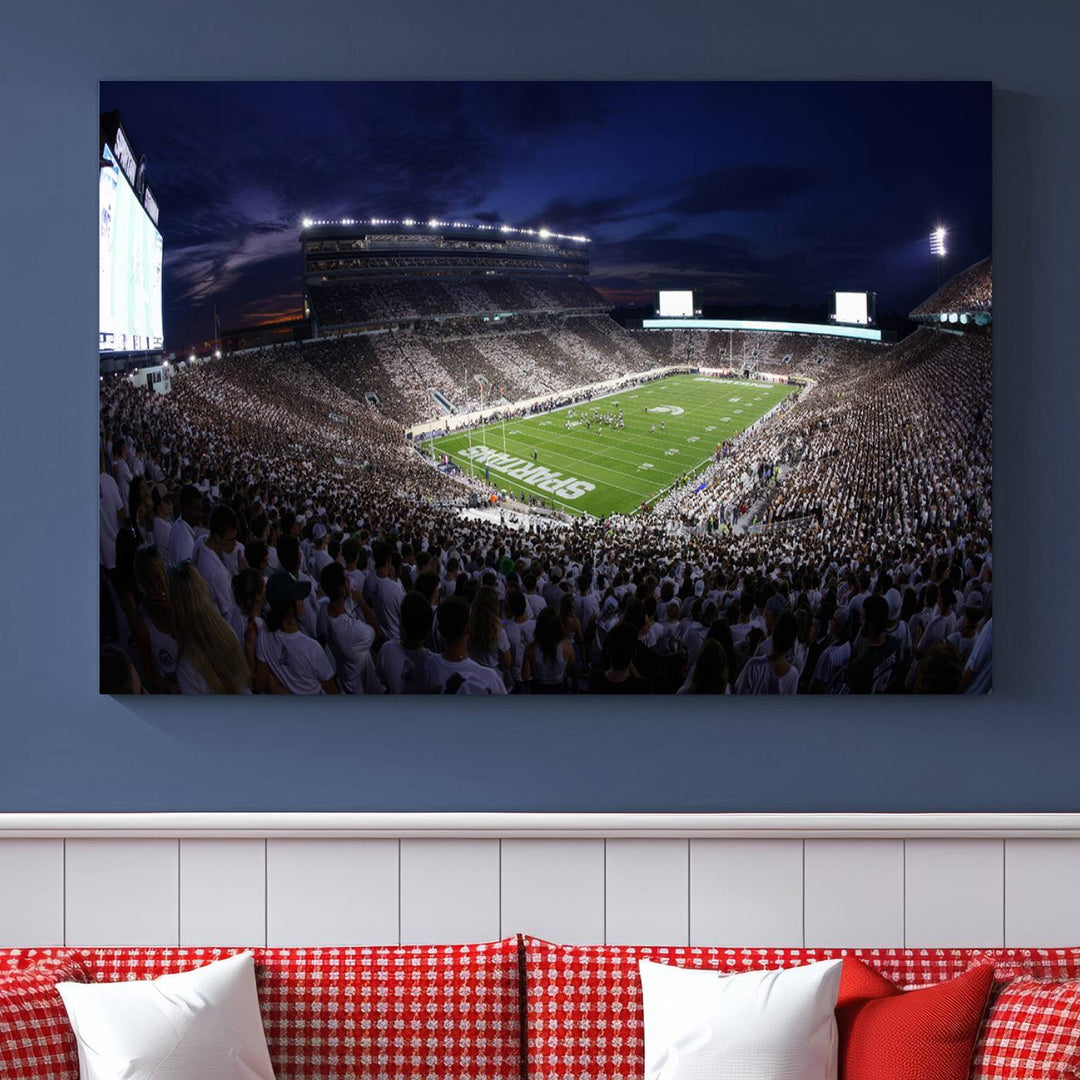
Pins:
x,y
545,388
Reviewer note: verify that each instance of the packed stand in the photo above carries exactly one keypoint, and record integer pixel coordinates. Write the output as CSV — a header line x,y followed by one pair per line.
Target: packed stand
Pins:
x,y
380,300
265,529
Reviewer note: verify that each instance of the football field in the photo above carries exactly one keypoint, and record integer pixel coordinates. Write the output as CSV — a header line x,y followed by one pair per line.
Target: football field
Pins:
x,y
594,468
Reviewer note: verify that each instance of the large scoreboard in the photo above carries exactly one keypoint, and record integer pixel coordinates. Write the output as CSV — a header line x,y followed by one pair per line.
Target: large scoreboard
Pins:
x,y
129,261
854,308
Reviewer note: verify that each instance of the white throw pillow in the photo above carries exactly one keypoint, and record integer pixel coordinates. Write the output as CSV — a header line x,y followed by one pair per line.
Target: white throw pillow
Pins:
x,y
201,1024
757,1025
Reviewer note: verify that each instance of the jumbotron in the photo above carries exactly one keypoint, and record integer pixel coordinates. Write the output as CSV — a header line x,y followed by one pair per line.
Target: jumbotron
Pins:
x,y
469,477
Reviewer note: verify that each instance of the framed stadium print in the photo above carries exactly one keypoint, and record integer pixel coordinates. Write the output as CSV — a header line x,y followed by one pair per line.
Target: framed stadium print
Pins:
x,y
545,388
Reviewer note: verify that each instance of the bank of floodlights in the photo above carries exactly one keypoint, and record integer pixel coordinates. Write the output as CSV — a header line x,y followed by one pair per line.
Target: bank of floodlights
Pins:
x,y
937,242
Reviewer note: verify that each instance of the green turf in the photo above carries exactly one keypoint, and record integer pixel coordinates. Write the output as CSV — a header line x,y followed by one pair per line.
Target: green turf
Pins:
x,y
625,466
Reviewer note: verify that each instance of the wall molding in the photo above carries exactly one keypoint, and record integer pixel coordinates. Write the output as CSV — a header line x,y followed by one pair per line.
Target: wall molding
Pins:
x,y
240,825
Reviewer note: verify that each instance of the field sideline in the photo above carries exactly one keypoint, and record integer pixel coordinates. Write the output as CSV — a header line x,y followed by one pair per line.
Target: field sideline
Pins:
x,y
613,471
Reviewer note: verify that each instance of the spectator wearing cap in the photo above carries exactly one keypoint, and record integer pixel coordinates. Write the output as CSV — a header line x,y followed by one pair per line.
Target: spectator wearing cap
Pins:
x,y
298,663
552,591
319,557
897,629
833,662
288,550
163,523
209,557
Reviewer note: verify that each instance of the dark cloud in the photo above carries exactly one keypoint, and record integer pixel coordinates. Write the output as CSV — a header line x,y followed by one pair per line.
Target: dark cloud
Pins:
x,y
586,215
743,188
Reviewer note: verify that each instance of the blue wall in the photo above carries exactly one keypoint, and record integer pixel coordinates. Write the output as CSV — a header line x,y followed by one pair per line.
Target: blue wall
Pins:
x,y
64,748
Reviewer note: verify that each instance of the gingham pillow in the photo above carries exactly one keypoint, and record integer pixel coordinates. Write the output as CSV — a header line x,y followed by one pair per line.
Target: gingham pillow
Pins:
x,y
1033,963
441,1012
1031,1032
583,1002
36,1040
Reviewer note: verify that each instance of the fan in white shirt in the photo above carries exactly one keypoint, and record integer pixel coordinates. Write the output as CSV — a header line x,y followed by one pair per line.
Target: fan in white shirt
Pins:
x,y
182,537
387,592
350,639
113,513
454,661
163,523
298,663
210,553
405,666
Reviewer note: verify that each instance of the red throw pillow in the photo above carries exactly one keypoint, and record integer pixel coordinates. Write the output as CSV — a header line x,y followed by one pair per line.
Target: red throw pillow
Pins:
x,y
36,1038
891,1034
1032,1032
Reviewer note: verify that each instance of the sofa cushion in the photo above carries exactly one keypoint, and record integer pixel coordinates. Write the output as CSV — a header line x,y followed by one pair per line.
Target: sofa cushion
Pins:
x,y
584,1011
754,1025
174,1027
1031,1032
392,1012
928,1033
1034,963
36,1039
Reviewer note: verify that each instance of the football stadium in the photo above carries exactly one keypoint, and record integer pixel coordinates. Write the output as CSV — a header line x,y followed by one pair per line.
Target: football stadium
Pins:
x,y
459,472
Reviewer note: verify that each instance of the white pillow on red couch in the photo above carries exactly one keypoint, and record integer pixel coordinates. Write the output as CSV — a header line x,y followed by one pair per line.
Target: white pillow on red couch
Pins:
x,y
756,1025
203,1023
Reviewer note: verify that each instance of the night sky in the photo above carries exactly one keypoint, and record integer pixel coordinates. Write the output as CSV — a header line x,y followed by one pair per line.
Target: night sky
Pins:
x,y
751,194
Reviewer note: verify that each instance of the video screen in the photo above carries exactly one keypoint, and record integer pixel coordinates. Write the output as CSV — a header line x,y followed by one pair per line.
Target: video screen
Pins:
x,y
672,305
852,307
129,266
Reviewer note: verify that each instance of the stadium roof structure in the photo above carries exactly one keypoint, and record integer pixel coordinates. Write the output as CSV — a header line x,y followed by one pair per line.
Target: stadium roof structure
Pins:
x,y
965,298
436,223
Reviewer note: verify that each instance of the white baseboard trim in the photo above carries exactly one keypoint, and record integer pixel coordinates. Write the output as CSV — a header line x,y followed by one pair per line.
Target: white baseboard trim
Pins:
x,y
538,825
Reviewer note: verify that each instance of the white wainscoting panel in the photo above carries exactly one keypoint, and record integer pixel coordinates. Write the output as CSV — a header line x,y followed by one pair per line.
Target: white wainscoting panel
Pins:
x,y
874,880
1042,892
332,892
449,891
554,889
854,893
122,892
222,892
954,893
647,892
31,892
746,892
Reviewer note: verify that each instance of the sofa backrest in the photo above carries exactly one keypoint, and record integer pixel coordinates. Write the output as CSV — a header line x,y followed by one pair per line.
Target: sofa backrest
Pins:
x,y
584,1017
349,1013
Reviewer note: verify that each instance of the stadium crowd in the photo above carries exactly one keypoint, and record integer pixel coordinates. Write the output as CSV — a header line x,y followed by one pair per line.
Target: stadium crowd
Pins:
x,y
265,529
355,303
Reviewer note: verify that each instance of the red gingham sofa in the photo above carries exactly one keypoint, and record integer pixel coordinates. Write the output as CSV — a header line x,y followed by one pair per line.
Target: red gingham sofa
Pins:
x,y
521,1008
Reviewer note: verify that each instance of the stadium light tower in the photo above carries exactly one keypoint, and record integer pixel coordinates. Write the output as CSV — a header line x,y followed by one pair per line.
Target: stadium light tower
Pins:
x,y
937,247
